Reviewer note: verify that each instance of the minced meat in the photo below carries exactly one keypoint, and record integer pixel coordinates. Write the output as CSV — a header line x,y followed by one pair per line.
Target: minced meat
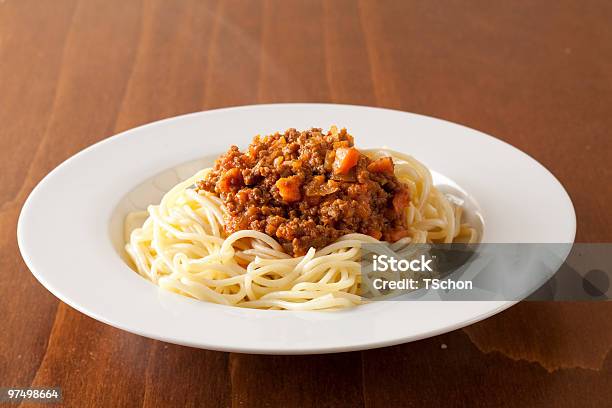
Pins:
x,y
306,189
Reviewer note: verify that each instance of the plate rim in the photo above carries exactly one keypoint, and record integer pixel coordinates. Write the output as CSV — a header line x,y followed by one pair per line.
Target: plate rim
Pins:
x,y
27,256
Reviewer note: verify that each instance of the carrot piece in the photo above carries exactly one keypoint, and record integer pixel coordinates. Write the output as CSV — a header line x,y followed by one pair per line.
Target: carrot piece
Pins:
x,y
232,178
346,159
289,188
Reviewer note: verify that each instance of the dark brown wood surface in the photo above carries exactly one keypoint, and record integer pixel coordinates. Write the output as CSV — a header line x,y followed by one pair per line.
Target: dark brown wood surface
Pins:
x,y
534,73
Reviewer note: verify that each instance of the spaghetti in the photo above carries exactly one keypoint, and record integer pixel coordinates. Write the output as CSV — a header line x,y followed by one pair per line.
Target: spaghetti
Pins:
x,y
183,247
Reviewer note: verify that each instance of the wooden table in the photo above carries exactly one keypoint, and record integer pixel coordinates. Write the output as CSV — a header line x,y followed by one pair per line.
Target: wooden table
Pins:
x,y
535,74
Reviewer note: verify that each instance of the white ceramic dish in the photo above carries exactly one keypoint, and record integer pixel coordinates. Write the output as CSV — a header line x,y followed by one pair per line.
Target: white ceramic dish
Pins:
x,y
70,228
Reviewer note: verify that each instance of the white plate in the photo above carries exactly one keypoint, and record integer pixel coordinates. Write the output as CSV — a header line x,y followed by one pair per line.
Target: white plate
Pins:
x,y
70,228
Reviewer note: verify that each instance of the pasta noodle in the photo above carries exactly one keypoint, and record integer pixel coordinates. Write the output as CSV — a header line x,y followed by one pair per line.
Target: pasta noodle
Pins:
x,y
182,247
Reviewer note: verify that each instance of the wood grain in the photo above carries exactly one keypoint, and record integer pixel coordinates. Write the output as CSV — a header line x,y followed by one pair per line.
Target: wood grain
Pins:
x,y
535,74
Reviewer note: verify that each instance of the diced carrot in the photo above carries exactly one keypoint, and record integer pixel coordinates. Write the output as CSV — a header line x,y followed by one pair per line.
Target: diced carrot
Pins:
x,y
346,159
383,165
229,179
289,188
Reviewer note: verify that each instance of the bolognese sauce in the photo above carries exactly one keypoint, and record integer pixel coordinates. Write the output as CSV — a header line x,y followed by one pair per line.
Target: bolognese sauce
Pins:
x,y
307,189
